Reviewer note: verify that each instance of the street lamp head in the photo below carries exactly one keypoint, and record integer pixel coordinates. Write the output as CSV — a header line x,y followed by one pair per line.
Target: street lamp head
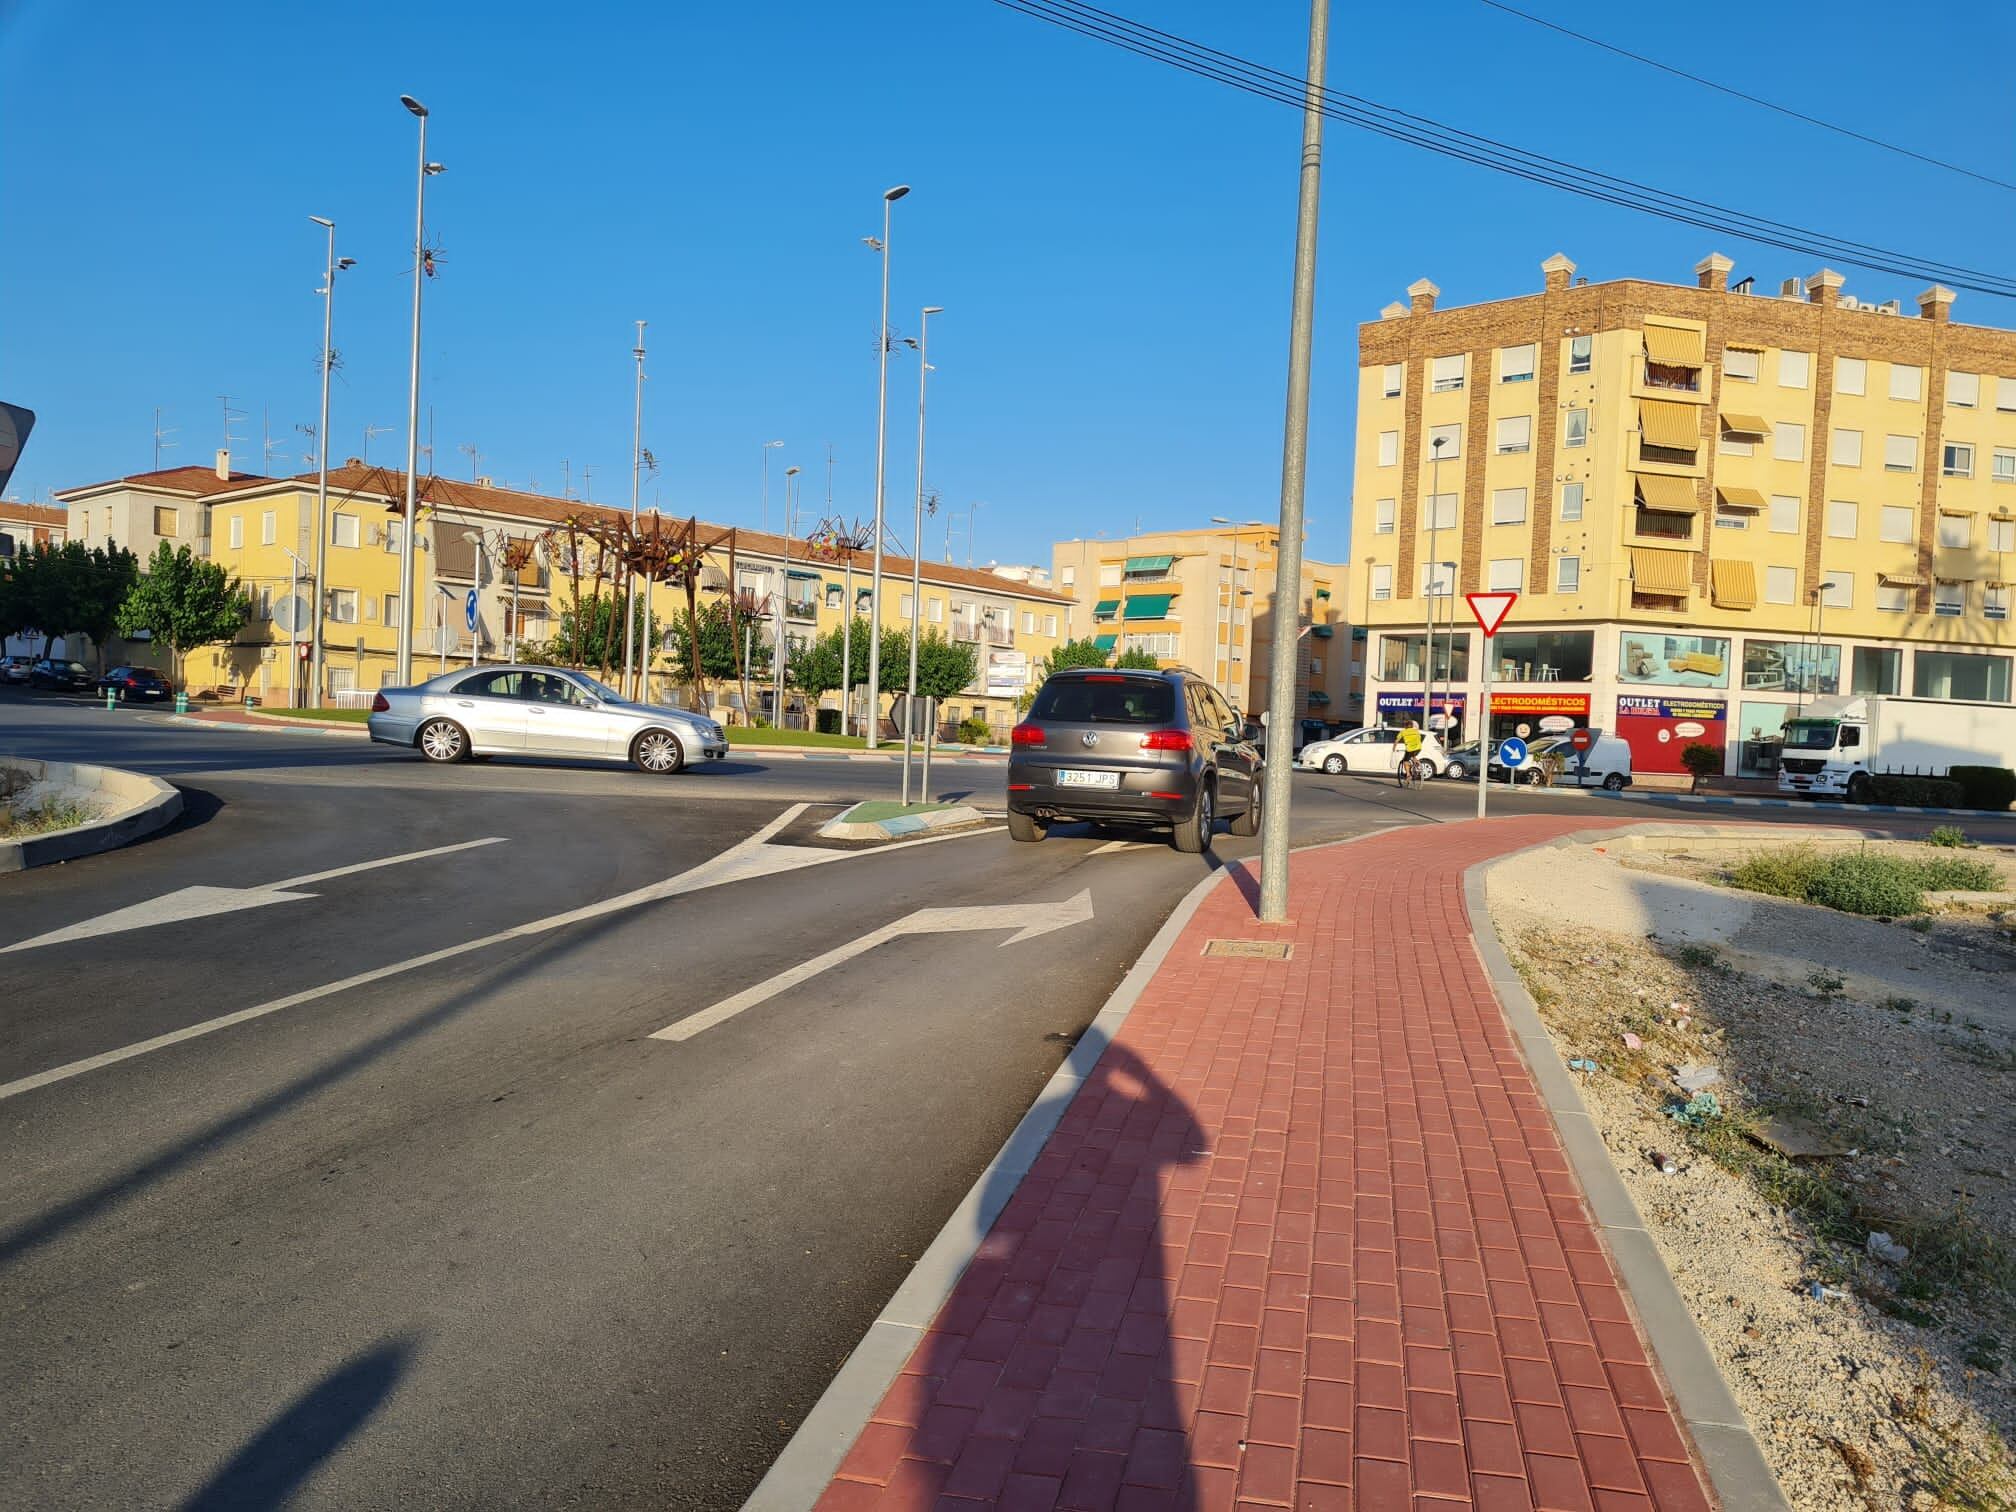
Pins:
x,y
934,309
1220,520
1437,444
792,472
768,444
434,168
897,193
320,221
414,105
872,243
345,262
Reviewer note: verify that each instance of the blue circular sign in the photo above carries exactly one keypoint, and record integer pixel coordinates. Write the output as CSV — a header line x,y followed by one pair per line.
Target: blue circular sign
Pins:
x,y
469,609
1512,752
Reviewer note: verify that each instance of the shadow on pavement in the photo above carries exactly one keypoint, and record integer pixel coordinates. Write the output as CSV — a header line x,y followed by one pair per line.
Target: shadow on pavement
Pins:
x,y
275,1462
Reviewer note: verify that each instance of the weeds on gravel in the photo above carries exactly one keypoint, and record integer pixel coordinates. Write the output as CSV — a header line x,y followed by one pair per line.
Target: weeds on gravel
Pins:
x,y
1860,882
1701,958
1951,836
50,814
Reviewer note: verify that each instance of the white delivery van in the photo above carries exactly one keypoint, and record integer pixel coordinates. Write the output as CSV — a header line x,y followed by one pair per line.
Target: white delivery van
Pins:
x,y
1837,744
1606,764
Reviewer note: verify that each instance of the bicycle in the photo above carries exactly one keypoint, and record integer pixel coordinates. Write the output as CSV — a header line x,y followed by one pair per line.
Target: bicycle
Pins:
x,y
1410,771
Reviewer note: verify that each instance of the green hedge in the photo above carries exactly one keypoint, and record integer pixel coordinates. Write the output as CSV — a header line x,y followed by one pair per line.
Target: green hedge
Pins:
x,y
1985,787
1915,792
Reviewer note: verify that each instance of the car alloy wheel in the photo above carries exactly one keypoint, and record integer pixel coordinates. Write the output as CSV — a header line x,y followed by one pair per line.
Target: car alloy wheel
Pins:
x,y
658,751
1333,764
443,740
1454,771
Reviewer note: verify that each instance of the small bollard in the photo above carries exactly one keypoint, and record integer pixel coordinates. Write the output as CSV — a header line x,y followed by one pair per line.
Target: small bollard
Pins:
x,y
182,703
110,699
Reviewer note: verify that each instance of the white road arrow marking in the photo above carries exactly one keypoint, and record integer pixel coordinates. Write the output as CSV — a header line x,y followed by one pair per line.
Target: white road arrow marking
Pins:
x,y
1028,920
200,902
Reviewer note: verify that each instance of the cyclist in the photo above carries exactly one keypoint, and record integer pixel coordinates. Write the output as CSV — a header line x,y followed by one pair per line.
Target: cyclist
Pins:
x,y
1410,754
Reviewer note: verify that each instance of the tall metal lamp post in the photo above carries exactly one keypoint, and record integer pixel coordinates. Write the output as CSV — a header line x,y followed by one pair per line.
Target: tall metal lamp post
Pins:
x,y
331,268
410,524
917,549
630,632
889,198
784,594
1433,575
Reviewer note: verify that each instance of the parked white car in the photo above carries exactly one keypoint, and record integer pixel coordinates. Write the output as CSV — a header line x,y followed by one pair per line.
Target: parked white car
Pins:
x,y
1606,764
1374,749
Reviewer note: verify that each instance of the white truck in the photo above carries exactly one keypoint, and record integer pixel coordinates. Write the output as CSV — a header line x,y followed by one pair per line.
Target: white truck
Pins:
x,y
1835,745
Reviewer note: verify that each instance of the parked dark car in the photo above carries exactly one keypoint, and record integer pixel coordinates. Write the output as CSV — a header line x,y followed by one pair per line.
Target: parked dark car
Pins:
x,y
135,682
61,676
1162,750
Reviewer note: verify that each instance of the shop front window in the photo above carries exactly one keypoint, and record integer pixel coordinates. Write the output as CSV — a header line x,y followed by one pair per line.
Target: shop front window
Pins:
x,y
1761,738
1956,674
1877,669
1543,655
1401,657
1791,667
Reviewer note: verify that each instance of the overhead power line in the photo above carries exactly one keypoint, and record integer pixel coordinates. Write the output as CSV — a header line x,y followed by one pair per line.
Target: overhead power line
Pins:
x,y
1758,100
1422,131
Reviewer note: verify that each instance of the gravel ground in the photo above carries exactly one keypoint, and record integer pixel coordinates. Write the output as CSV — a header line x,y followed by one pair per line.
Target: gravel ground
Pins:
x,y
1896,1389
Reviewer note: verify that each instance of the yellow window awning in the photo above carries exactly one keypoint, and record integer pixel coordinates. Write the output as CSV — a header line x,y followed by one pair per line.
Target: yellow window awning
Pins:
x,y
1736,496
1667,424
1740,424
1733,585
1673,346
1658,491
1657,570
1899,579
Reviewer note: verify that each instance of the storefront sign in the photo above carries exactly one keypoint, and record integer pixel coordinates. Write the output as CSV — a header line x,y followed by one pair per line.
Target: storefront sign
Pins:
x,y
1687,661
1575,705
1408,705
1658,728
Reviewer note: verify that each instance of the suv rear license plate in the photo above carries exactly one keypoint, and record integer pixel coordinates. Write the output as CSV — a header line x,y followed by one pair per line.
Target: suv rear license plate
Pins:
x,y
1068,778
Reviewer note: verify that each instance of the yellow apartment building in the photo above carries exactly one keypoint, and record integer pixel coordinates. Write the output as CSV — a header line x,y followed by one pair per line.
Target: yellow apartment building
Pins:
x,y
263,533
1206,599
1716,502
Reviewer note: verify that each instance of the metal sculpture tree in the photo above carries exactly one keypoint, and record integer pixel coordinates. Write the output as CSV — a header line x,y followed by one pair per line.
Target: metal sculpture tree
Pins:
x,y
673,551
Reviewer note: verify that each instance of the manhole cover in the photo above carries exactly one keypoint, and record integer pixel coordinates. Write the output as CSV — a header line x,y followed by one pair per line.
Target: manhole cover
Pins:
x,y
1259,950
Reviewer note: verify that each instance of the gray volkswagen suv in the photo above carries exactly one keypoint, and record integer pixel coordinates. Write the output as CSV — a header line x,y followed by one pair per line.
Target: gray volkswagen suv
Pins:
x,y
1162,750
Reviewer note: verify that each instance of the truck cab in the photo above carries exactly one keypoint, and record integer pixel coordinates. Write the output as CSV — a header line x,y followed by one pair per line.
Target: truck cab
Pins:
x,y
1825,751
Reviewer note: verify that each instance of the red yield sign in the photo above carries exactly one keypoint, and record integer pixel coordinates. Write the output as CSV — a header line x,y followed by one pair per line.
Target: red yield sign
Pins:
x,y
1491,609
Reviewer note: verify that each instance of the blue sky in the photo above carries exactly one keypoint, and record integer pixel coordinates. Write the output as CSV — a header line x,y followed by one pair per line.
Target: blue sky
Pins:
x,y
1111,239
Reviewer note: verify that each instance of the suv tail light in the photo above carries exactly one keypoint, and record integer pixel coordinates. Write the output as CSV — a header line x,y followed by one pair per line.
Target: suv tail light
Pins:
x,y
380,705
1166,740
1027,734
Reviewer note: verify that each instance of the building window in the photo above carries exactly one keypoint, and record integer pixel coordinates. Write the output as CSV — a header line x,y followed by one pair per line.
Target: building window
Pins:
x,y
1900,453
1385,513
1568,574
1959,460
1508,506
1447,373
1957,674
1781,585
1451,437
1732,519
390,611
2005,394
395,533
1741,363
1847,450
1389,448
2002,467
342,530
1050,624
2002,535
1438,580
1028,621
1794,368
1515,364
1995,601
1068,577
343,605
1851,375
1899,523
1576,432
165,521
1507,574
1892,598
235,531
269,528
934,610
1395,377
1876,669
903,606
1401,657
1571,501
1788,442
1440,513
1906,382
1784,514
1949,600
1515,434
1841,519
1955,531
1382,581
262,603
1771,666
1837,590
1963,390
1581,350
1109,575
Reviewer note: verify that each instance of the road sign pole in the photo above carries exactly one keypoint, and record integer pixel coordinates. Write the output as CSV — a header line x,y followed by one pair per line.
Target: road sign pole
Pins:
x,y
1484,731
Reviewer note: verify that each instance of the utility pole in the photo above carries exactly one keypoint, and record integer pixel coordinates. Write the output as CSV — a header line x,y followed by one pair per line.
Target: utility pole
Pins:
x,y
1287,644
411,523
784,599
630,633
889,198
331,267
917,554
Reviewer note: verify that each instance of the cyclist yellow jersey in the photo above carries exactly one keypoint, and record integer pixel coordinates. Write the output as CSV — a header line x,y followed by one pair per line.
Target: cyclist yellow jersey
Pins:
x,y
1410,741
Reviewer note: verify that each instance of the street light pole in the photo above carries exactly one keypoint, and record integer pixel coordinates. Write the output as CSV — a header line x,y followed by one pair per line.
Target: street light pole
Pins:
x,y
1434,573
784,597
889,198
630,647
917,550
475,538
404,670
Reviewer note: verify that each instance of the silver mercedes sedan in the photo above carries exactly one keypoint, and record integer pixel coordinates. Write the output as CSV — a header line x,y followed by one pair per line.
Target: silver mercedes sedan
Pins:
x,y
540,711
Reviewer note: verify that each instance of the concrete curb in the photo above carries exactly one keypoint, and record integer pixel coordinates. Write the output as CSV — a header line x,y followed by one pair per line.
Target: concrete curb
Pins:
x,y
800,1475
901,826
272,726
149,804
1729,1452
1730,800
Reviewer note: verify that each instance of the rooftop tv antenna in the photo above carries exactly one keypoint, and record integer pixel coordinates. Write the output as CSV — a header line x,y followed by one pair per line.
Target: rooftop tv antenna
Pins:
x,y
370,431
231,417
468,449
161,441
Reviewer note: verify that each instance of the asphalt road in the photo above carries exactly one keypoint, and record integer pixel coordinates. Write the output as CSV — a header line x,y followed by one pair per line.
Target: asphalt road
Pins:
x,y
436,1221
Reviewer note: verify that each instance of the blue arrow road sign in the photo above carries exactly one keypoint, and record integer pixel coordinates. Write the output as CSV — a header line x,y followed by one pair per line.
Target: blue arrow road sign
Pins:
x,y
1512,752
469,609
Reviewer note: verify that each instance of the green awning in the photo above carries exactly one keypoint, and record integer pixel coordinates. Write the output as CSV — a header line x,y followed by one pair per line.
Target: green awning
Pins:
x,y
1318,696
795,574
1322,593
1149,564
1322,632
1149,606
1105,642
1106,608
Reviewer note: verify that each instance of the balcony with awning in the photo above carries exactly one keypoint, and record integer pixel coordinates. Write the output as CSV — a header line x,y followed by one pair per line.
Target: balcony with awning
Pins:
x,y
1732,584
1669,432
1673,358
1148,606
1665,507
1660,574
1148,569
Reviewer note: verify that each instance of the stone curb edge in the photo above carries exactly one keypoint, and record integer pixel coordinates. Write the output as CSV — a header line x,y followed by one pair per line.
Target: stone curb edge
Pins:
x,y
901,826
272,726
1728,1450
161,809
1731,800
799,1476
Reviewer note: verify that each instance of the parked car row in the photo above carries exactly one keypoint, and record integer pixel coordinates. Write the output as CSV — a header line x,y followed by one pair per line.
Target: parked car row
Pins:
x,y
1606,762
61,675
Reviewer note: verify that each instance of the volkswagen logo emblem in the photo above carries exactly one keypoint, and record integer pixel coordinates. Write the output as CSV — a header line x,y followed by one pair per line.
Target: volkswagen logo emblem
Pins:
x,y
1090,737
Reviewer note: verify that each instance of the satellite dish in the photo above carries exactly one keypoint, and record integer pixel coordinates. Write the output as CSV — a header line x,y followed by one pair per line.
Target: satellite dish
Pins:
x,y
291,613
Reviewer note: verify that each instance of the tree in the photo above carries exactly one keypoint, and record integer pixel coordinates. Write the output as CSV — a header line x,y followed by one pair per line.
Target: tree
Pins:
x,y
943,667
1702,761
816,669
1135,659
66,589
720,657
1074,653
185,602
591,633
101,580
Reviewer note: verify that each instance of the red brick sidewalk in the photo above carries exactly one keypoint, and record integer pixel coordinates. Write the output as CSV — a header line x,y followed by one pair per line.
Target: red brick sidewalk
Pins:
x,y
1306,1237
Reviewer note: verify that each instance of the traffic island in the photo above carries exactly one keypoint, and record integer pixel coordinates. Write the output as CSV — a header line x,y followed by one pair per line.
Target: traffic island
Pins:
x,y
879,819
60,810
